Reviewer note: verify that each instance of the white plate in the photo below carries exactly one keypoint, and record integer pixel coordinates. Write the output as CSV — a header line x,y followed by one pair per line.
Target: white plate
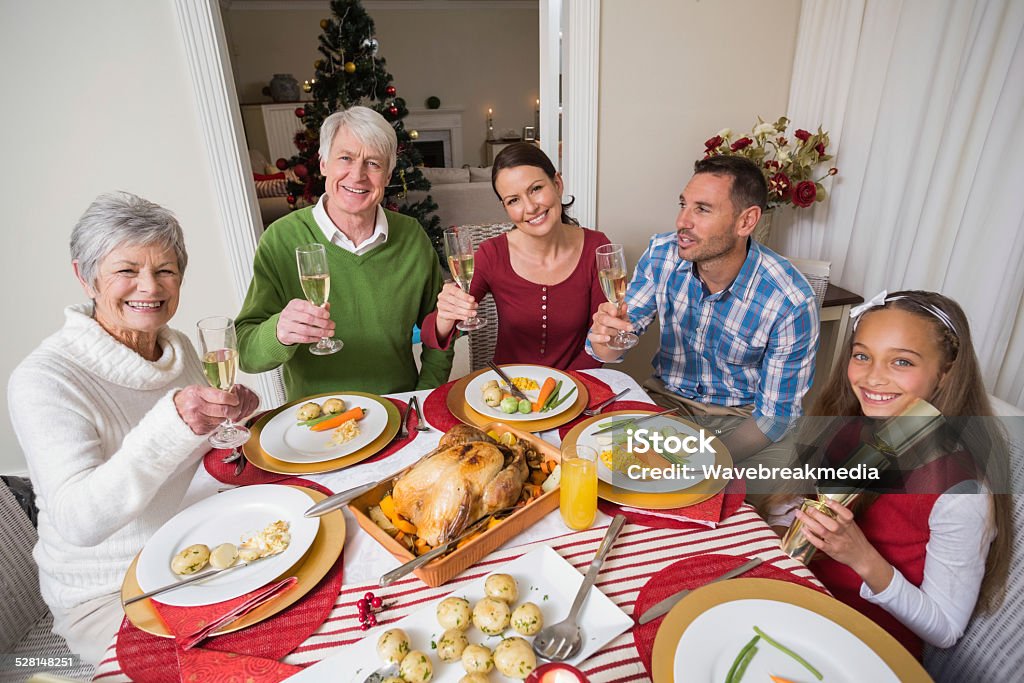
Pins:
x,y
224,518
284,439
691,476
475,394
711,642
544,579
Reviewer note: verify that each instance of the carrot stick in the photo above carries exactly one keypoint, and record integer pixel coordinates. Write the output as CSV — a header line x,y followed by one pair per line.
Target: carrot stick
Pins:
x,y
351,414
545,391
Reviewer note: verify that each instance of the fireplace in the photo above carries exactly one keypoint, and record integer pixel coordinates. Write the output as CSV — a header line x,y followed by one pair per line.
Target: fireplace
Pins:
x,y
435,153
438,129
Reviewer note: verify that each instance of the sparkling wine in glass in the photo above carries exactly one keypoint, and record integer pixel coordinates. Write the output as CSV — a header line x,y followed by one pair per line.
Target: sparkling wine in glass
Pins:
x,y
218,350
458,246
315,278
611,272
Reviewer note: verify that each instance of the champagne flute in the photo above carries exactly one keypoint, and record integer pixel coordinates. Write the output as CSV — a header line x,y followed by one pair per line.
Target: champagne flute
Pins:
x,y
611,272
218,349
315,278
458,246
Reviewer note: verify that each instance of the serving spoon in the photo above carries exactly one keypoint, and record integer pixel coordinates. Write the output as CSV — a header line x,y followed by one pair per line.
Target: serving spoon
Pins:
x,y
562,641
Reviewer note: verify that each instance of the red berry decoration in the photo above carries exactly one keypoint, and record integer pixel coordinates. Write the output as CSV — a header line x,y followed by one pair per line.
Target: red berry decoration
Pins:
x,y
368,597
364,627
372,620
300,112
376,602
281,164
391,90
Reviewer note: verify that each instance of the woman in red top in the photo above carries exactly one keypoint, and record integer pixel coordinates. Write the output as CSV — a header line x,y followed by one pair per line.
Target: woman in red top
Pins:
x,y
542,274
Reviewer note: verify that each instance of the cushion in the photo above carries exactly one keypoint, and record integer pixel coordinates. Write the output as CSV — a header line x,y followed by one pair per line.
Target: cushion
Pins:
x,y
480,175
268,176
445,176
278,187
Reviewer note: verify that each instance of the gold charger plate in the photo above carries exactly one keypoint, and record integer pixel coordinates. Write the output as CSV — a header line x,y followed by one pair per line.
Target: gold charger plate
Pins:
x,y
255,454
321,556
464,413
697,493
902,663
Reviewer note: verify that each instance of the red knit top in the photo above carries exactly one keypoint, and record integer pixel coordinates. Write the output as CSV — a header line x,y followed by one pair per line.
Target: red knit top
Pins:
x,y
541,324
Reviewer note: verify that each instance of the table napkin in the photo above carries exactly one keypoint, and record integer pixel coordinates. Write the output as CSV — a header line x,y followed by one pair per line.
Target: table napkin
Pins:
x,y
225,472
618,405
709,513
692,573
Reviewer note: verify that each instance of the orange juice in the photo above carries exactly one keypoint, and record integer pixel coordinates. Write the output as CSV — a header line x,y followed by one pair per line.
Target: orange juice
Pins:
x,y
578,495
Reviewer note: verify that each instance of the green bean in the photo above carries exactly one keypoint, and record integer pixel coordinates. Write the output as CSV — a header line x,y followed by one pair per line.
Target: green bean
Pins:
x,y
742,668
317,420
562,399
739,658
771,641
617,424
552,397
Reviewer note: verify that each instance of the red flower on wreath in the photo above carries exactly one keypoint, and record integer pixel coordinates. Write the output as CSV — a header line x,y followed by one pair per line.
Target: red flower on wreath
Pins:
x,y
741,143
802,135
804,193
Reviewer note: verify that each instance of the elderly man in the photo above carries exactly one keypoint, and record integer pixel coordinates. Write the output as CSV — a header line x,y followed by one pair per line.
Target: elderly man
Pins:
x,y
383,268
739,324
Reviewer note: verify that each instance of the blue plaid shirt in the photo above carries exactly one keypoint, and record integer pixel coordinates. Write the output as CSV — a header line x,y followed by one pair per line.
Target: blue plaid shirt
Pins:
x,y
752,343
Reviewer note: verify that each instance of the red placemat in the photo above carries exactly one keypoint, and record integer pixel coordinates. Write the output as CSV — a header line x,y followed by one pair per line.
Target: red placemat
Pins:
x,y
225,472
707,514
692,573
618,405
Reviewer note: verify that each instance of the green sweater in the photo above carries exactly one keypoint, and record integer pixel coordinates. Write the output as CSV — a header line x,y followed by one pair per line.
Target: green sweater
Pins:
x,y
376,298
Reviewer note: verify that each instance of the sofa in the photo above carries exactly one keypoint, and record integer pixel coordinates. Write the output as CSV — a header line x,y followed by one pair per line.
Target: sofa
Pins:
x,y
463,196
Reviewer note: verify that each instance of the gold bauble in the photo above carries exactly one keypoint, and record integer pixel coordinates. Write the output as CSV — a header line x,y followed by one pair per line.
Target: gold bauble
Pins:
x,y
324,23
414,134
350,67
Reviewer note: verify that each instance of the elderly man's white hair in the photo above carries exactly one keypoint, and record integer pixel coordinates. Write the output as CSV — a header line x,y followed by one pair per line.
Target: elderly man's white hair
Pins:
x,y
368,127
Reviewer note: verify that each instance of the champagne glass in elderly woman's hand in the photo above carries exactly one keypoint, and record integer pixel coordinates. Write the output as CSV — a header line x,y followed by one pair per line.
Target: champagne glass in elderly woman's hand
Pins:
x,y
315,278
611,271
458,247
218,349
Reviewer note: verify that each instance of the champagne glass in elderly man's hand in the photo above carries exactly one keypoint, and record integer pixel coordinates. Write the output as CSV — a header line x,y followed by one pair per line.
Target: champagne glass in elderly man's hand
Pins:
x,y
611,272
315,278
218,349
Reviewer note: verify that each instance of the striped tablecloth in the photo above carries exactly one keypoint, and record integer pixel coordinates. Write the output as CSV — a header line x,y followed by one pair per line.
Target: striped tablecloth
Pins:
x,y
639,553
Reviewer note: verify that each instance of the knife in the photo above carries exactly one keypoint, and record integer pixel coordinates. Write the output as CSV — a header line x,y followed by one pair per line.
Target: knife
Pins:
x,y
193,579
670,602
512,388
635,421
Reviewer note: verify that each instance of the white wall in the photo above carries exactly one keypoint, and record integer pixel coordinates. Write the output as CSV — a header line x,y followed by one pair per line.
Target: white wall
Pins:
x,y
96,97
669,84
471,58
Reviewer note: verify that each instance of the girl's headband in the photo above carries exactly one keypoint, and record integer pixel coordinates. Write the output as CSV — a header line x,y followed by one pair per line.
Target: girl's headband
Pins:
x,y
883,298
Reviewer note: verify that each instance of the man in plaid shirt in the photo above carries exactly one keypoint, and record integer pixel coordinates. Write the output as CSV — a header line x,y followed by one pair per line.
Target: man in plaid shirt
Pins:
x,y
739,324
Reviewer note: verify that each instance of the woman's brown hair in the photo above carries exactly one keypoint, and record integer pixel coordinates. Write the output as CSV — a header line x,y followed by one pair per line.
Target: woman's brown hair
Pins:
x,y
524,154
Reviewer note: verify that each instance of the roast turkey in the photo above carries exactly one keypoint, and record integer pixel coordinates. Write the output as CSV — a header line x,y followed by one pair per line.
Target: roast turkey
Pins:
x,y
468,476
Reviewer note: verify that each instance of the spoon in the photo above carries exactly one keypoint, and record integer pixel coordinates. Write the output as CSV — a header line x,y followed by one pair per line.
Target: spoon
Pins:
x,y
562,641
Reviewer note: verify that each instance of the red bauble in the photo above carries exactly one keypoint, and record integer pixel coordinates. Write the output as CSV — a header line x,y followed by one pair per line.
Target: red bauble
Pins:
x,y
391,90
281,164
300,170
291,199
393,111
300,112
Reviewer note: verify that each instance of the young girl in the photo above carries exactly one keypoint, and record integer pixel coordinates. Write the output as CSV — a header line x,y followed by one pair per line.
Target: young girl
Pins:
x,y
917,563
542,274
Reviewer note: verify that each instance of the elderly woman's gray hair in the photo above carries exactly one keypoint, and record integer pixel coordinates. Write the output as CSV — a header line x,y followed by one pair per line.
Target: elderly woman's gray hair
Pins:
x,y
116,219
367,126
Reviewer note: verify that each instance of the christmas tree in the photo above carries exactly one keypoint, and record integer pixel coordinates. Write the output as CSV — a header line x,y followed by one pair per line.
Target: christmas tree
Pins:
x,y
350,73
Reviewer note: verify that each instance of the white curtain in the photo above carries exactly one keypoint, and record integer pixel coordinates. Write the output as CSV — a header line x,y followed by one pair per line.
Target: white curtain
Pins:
x,y
924,102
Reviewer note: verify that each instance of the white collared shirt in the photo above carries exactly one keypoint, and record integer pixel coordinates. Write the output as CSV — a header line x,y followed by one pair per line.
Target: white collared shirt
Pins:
x,y
340,239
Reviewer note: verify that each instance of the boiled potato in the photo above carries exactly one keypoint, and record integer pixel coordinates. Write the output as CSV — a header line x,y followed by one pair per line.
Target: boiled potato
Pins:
x,y
308,411
333,406
491,616
527,619
501,587
393,645
191,559
476,659
248,553
475,678
513,657
492,396
451,644
416,667
223,556
453,613
393,679
490,384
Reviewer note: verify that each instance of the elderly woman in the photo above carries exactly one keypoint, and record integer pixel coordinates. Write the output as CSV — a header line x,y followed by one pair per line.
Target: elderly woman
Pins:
x,y
383,268
112,413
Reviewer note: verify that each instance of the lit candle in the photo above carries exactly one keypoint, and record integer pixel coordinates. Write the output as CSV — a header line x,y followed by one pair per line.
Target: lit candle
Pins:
x,y
490,123
536,120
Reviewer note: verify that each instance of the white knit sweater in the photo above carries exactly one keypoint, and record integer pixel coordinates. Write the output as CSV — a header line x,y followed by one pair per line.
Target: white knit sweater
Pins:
x,y
109,457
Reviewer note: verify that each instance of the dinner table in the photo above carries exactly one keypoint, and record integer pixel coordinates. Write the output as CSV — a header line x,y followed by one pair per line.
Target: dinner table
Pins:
x,y
643,551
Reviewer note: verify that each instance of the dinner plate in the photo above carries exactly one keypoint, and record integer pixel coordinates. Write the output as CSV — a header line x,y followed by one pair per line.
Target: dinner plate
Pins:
x,y
322,555
692,473
457,405
544,579
702,635
690,495
286,440
255,454
475,399
227,518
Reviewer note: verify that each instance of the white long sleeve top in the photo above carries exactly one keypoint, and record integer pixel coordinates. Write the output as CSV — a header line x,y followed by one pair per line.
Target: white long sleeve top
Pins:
x,y
107,452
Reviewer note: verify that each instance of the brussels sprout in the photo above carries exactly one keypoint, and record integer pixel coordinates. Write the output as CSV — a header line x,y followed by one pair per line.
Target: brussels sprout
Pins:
x,y
525,407
509,405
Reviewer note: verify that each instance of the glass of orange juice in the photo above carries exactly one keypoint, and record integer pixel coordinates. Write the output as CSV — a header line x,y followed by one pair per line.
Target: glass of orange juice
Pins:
x,y
577,499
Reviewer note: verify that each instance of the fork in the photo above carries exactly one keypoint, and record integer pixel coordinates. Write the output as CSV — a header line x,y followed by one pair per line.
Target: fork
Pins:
x,y
234,455
403,430
591,412
421,424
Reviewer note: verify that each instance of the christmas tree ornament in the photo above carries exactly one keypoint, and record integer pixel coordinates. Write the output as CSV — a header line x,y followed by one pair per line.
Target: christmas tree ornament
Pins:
x,y
281,164
300,170
307,86
300,112
371,45
291,200
390,91
414,134
324,23
350,67
393,110
319,64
